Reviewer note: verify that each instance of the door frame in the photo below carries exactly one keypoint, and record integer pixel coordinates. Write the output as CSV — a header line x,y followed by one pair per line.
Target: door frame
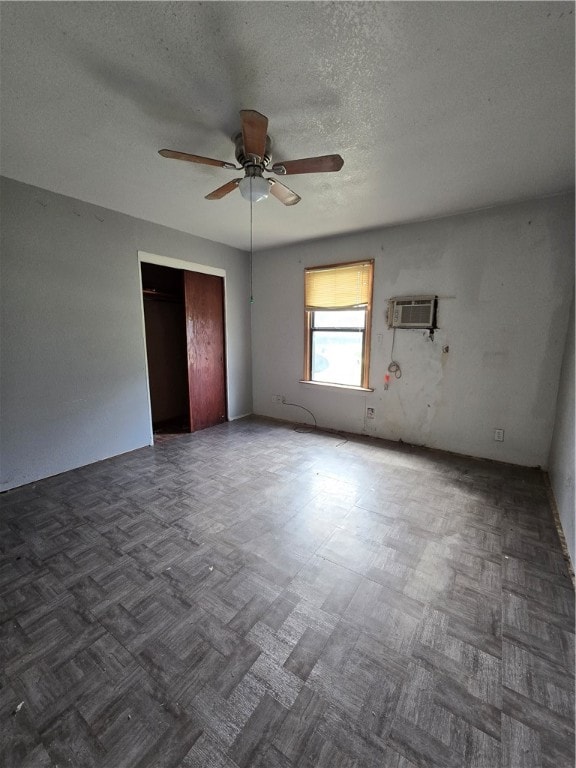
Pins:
x,y
189,266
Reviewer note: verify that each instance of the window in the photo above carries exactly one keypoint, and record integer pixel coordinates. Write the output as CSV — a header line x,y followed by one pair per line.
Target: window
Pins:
x,y
338,303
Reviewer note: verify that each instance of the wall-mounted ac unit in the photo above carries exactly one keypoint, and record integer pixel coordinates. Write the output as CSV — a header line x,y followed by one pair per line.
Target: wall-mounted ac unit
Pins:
x,y
412,312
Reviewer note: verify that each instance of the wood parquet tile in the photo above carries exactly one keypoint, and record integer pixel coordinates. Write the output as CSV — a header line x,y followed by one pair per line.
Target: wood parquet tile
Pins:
x,y
254,597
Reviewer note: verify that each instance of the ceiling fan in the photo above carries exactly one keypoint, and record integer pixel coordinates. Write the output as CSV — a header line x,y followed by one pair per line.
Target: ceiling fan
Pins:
x,y
253,153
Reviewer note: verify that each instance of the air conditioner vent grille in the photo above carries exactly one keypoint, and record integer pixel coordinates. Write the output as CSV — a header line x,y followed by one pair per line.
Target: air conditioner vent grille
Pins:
x,y
413,312
416,314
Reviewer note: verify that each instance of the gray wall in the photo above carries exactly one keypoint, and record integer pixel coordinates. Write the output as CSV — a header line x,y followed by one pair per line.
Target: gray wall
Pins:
x,y
73,365
504,277
561,466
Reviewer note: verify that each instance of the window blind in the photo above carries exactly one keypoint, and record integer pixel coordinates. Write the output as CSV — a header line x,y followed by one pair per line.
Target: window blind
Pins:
x,y
345,286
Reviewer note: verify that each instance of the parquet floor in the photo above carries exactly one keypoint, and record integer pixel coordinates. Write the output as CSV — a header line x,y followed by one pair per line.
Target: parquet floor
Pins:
x,y
253,597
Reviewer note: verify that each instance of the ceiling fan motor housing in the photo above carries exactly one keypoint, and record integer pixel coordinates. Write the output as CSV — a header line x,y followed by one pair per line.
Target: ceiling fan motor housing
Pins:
x,y
247,161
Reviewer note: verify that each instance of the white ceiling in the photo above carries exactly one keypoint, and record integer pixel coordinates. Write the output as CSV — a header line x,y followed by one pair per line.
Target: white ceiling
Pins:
x,y
435,107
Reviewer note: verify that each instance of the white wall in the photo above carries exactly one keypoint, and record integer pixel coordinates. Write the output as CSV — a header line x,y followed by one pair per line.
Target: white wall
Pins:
x,y
561,465
506,274
74,382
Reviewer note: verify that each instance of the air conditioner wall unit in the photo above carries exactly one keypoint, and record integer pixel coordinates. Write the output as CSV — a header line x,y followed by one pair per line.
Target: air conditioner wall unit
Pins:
x,y
412,312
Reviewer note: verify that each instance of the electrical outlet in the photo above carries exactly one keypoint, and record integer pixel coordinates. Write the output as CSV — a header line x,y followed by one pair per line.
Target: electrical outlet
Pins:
x,y
499,435
370,412
276,398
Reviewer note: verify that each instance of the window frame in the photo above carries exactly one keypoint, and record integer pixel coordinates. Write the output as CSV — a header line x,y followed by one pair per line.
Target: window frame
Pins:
x,y
367,331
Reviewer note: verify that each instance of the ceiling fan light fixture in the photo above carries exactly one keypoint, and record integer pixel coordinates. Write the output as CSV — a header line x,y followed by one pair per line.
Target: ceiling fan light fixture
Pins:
x,y
254,188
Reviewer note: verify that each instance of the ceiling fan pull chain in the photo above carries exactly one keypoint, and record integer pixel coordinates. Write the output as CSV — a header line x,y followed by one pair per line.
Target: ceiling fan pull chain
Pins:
x,y
251,241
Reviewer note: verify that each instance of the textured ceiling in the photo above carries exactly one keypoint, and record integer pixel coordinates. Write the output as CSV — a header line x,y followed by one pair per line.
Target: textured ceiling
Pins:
x,y
435,107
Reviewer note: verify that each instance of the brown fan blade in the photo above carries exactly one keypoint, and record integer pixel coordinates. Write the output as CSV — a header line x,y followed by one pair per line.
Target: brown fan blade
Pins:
x,y
254,129
282,193
223,190
170,153
323,164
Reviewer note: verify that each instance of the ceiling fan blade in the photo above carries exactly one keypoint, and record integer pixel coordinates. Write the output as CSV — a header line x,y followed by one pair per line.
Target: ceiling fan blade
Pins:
x,y
323,164
254,129
282,193
223,190
172,154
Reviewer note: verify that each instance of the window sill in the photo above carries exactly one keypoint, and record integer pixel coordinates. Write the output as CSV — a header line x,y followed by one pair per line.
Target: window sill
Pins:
x,y
336,386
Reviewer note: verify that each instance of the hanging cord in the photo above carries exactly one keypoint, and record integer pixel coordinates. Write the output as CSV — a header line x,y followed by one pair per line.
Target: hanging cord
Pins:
x,y
297,429
394,367
251,242
315,427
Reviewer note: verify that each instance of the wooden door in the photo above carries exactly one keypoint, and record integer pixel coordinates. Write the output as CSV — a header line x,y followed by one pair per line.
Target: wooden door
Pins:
x,y
204,306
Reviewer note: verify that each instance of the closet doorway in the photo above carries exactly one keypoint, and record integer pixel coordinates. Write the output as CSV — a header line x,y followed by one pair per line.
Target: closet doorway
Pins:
x,y
184,326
